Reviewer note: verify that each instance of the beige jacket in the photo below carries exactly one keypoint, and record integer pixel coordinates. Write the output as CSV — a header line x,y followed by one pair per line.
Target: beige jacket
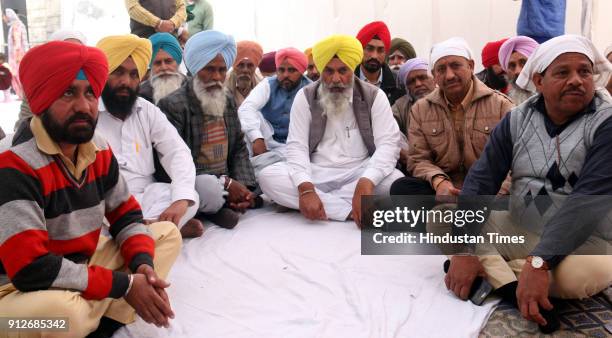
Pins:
x,y
434,149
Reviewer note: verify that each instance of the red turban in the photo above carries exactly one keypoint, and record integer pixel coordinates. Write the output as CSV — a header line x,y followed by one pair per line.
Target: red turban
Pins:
x,y
47,70
295,57
490,53
376,28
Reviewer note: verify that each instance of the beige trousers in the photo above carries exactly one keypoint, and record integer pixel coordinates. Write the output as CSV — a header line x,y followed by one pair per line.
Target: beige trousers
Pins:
x,y
84,315
584,273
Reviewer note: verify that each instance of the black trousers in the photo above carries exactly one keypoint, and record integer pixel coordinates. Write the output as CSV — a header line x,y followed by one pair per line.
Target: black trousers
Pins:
x,y
411,186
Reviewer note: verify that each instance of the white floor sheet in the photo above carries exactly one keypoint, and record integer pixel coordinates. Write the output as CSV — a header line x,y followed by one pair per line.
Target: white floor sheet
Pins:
x,y
279,275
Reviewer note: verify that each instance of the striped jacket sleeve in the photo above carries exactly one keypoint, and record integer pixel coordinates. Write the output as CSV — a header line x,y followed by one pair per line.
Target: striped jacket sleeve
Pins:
x,y
24,240
125,217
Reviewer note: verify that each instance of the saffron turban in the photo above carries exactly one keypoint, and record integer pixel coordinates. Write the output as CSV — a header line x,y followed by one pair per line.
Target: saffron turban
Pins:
x,y
204,46
490,53
548,51
47,70
308,53
295,58
522,44
267,64
65,34
376,28
403,46
119,47
347,48
248,50
169,44
451,47
408,66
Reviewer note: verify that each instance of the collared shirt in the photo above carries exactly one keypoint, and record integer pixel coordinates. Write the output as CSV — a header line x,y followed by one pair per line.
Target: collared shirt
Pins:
x,y
342,145
364,78
133,140
85,153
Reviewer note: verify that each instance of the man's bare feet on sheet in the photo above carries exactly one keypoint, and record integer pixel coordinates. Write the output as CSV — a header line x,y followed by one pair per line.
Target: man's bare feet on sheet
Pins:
x,y
192,229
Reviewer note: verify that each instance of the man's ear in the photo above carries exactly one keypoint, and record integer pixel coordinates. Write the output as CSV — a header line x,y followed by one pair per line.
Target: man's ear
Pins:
x,y
537,79
471,64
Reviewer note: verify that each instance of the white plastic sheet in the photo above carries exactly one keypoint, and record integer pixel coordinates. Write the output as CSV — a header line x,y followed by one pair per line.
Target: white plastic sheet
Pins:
x,y
279,275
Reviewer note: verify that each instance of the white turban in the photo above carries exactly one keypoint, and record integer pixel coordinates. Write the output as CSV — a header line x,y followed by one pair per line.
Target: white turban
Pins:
x,y
452,46
608,51
547,52
65,34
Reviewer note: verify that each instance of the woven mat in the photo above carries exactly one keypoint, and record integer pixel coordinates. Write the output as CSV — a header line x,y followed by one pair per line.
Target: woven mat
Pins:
x,y
579,318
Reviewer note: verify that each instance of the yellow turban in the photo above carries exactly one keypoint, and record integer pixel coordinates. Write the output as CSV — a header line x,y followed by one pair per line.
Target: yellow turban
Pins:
x,y
119,47
346,47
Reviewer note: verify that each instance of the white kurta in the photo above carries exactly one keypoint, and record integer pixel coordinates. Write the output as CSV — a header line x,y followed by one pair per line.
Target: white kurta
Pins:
x,y
338,162
254,125
133,142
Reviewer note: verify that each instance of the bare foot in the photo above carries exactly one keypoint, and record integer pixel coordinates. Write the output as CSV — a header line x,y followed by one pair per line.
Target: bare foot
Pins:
x,y
192,229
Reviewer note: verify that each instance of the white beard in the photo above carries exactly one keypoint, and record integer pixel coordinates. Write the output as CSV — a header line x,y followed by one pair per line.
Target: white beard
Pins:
x,y
212,102
334,104
164,84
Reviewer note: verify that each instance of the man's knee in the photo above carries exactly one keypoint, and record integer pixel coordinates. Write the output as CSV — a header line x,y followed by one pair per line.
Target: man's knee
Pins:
x,y
411,186
580,277
61,304
384,187
272,177
210,191
167,233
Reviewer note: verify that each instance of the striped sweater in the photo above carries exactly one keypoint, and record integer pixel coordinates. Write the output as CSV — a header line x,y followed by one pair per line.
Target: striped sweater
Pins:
x,y
50,222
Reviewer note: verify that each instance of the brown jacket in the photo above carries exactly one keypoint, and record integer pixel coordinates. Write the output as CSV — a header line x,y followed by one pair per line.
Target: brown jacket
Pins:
x,y
434,149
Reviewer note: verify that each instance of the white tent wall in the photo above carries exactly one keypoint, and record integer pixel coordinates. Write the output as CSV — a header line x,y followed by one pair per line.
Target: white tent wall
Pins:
x,y
301,23
276,24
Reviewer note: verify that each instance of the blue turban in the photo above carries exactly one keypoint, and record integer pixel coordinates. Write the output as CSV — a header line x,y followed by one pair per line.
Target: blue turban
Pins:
x,y
204,46
169,44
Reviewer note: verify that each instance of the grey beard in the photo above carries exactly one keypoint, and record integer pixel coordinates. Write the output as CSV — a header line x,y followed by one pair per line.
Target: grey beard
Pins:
x,y
244,82
213,103
334,104
165,83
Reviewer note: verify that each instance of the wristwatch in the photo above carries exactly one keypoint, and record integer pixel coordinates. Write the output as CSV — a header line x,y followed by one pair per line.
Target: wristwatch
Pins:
x,y
537,263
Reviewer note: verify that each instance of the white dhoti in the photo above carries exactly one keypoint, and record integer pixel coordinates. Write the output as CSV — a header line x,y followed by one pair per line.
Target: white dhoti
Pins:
x,y
156,198
335,187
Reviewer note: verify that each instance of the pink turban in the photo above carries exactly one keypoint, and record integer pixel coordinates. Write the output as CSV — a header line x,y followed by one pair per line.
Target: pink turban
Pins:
x,y
295,57
522,44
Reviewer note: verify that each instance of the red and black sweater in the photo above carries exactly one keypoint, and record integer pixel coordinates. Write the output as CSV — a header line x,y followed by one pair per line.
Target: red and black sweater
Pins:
x,y
50,222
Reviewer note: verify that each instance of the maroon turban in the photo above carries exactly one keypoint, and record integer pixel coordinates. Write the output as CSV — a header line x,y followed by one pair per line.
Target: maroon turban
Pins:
x,y
376,28
268,63
47,70
490,53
